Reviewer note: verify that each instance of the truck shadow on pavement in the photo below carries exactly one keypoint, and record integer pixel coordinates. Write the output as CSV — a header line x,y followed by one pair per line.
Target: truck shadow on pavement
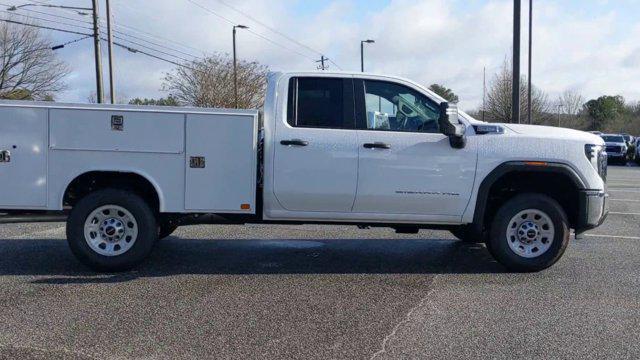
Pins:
x,y
175,256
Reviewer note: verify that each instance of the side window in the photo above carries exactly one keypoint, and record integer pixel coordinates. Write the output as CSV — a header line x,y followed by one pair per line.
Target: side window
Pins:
x,y
320,103
394,107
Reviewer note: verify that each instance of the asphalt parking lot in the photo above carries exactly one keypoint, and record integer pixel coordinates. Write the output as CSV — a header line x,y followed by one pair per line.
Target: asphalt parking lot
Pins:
x,y
318,292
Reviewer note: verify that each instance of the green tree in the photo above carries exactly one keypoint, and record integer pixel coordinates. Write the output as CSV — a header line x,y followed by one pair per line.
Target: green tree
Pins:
x,y
605,110
168,101
445,92
17,94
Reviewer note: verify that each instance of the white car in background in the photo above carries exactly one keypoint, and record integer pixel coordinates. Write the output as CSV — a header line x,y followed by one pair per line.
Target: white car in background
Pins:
x,y
616,148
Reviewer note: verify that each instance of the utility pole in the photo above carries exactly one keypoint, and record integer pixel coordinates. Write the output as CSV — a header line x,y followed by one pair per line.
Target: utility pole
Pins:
x,y
515,91
529,100
484,91
98,53
321,61
559,107
235,63
112,86
368,41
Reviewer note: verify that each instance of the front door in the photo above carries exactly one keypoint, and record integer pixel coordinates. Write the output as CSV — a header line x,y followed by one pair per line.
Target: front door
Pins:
x,y
316,148
406,165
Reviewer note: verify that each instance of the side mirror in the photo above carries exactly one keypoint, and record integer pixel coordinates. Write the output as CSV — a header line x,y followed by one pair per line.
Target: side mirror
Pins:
x,y
450,125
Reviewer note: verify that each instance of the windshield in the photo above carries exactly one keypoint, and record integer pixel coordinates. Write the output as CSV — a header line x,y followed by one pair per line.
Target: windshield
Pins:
x,y
613,138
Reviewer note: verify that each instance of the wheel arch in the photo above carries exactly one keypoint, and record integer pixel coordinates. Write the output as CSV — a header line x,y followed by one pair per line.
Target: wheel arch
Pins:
x,y
103,178
562,173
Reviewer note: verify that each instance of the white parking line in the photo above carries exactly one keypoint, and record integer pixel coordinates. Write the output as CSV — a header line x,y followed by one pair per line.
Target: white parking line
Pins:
x,y
623,200
614,236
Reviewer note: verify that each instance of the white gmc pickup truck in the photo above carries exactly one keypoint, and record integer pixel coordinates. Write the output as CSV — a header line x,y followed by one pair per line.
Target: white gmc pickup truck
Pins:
x,y
331,148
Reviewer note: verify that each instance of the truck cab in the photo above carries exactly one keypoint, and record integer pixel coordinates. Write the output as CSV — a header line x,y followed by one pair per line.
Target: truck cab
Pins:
x,y
361,148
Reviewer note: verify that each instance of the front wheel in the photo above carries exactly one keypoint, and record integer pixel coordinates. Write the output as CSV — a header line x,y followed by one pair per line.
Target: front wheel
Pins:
x,y
111,230
529,233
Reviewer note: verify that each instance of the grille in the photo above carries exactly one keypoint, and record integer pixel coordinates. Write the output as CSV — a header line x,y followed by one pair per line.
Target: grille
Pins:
x,y
614,149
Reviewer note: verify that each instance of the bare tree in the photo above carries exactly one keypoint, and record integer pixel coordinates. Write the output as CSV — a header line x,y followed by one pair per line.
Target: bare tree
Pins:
x,y
499,96
30,69
571,102
209,83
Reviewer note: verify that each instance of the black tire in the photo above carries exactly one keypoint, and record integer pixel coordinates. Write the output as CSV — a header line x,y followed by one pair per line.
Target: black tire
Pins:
x,y
466,234
142,246
498,244
166,229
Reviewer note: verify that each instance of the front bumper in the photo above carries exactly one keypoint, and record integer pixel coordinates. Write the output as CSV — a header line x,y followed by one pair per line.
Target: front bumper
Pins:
x,y
594,208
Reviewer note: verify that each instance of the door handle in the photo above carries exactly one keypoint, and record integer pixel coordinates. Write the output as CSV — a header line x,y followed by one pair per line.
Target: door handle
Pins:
x,y
377,145
294,142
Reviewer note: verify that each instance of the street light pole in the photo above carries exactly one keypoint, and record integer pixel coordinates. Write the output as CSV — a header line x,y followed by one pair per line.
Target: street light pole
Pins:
x,y
112,87
368,41
529,100
515,91
97,53
235,63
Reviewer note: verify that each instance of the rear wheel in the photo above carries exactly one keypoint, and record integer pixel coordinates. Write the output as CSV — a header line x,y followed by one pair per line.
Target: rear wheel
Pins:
x,y
111,230
529,233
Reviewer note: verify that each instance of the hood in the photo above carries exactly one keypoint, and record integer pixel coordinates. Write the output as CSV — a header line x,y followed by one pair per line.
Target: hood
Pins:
x,y
550,132
616,144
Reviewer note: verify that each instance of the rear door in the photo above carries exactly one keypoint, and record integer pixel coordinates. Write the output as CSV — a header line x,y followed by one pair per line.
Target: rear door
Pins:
x,y
316,149
23,163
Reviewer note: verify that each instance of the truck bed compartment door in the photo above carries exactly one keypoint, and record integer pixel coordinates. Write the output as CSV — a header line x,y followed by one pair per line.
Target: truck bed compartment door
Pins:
x,y
221,163
23,164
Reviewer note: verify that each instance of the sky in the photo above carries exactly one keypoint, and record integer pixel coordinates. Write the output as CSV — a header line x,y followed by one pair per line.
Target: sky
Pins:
x,y
588,46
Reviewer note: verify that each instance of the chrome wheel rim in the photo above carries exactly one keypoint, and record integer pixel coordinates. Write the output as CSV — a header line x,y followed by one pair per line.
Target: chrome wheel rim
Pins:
x,y
530,233
110,230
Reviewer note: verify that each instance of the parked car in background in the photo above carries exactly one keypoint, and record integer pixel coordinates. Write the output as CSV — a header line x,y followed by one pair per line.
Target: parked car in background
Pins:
x,y
616,148
629,139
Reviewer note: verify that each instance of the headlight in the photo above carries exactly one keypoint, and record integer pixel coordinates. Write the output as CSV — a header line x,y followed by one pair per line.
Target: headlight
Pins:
x,y
598,158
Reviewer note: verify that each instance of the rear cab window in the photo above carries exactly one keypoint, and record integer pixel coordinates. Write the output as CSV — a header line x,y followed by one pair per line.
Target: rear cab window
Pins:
x,y
321,102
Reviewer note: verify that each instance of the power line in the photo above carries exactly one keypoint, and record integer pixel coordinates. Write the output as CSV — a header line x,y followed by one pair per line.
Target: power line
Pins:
x,y
48,14
250,30
47,20
154,43
150,48
86,36
250,17
116,31
52,48
45,27
148,34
